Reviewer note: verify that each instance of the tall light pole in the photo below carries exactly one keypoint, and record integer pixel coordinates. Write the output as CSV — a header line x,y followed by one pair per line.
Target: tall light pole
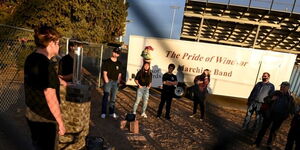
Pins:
x,y
174,13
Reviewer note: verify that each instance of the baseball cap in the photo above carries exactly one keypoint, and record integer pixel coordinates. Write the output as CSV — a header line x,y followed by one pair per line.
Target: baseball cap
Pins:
x,y
285,83
117,50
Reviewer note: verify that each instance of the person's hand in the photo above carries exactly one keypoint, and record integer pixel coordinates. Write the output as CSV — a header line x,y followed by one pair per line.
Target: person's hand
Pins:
x,y
140,86
61,81
61,129
148,87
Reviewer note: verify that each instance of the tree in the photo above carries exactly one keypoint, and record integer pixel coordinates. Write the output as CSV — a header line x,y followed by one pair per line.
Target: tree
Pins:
x,y
99,21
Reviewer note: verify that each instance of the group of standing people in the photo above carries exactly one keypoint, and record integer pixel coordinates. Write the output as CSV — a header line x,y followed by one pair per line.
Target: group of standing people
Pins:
x,y
143,80
41,84
272,108
112,77
169,80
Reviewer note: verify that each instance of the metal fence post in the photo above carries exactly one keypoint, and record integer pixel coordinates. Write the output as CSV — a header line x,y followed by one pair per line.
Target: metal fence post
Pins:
x,y
100,66
67,46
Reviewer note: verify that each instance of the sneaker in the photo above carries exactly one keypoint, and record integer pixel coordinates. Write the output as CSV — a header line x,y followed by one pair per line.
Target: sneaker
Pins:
x,y
144,115
103,116
114,115
192,116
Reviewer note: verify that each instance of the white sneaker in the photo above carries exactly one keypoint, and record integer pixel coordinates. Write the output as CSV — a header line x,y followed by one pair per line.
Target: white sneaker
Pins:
x,y
114,115
103,116
144,115
192,116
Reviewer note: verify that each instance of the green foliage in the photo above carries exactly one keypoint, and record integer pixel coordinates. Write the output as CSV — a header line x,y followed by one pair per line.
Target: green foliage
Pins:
x,y
99,21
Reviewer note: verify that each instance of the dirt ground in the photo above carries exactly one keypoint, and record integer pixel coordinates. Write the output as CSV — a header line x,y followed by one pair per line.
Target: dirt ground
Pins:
x,y
220,130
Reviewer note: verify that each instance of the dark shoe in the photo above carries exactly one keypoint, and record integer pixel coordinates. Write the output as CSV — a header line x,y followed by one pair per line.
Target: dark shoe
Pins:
x,y
201,118
168,117
244,127
269,146
158,116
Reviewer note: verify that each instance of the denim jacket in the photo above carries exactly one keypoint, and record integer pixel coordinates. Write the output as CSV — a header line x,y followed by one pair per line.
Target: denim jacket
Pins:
x,y
255,91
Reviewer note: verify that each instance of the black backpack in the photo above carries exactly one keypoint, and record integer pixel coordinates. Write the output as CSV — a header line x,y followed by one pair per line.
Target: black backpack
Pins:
x,y
130,117
94,143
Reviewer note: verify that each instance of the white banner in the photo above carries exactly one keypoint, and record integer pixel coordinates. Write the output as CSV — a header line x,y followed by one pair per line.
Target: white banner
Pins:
x,y
234,70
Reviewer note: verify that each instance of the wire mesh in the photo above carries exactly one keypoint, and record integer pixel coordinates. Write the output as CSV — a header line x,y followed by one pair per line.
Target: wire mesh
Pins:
x,y
15,45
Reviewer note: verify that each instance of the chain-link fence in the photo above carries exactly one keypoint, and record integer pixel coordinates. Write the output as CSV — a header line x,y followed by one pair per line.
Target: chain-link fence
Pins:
x,y
16,44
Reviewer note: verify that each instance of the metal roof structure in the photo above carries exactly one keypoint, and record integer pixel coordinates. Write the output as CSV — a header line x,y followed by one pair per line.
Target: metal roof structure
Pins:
x,y
241,26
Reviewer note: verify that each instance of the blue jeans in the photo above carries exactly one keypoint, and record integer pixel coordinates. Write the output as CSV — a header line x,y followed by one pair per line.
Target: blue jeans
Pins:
x,y
110,90
254,107
141,93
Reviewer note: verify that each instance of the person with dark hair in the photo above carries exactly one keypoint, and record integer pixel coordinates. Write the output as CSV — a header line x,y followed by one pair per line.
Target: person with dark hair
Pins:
x,y
41,84
256,99
143,80
111,70
66,63
204,76
294,132
200,92
169,82
281,104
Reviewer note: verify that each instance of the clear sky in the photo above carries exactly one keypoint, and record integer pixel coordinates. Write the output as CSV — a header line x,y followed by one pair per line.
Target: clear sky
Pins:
x,y
153,18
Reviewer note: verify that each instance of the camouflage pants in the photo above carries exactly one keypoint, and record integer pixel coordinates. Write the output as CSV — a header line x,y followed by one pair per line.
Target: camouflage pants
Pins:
x,y
254,107
76,117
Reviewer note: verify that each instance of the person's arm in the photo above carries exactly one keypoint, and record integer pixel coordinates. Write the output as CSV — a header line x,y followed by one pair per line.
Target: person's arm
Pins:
x,y
66,77
150,80
166,83
119,78
164,80
175,82
136,79
105,77
66,68
292,106
250,98
52,101
149,86
272,89
62,81
137,83
170,82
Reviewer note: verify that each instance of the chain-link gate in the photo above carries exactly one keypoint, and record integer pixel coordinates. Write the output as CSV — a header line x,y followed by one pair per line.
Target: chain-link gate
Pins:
x,y
15,45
